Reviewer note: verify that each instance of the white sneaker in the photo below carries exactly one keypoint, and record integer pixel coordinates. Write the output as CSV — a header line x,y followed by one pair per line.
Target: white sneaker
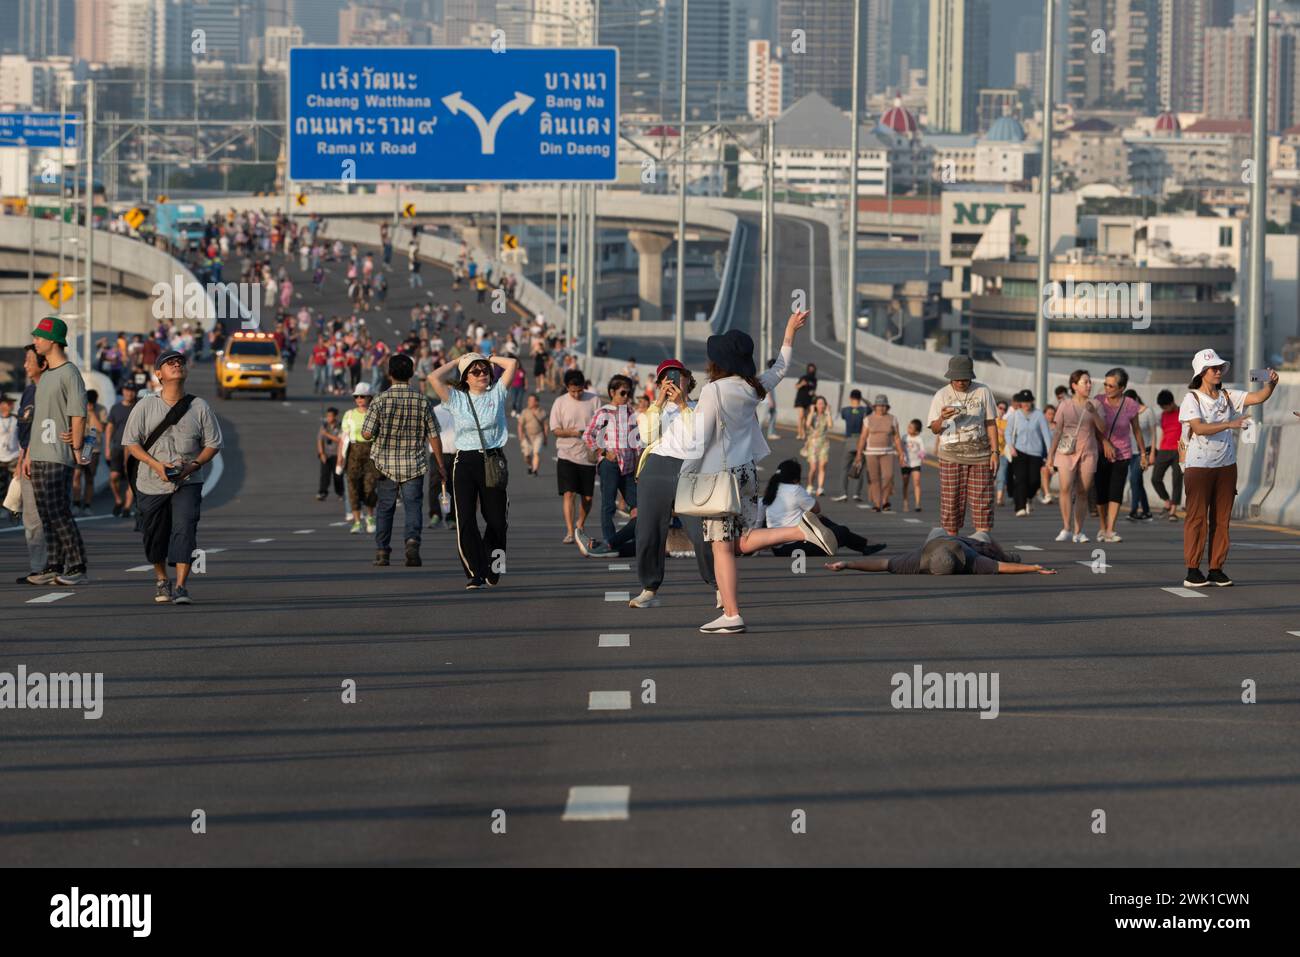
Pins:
x,y
840,498
1046,500
1080,538
1112,537
724,625
1064,535
818,534
1022,513
646,599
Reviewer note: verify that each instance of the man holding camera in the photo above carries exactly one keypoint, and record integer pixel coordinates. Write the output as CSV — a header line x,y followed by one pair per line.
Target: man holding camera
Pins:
x,y
172,435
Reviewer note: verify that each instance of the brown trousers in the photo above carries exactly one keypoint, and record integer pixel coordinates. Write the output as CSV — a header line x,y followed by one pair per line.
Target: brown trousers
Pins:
x,y
1210,493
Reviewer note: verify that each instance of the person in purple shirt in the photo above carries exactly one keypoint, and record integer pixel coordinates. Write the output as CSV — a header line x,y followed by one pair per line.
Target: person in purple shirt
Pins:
x,y
1119,414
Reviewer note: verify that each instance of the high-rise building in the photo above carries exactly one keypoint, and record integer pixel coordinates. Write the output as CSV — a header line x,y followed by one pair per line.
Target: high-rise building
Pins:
x,y
276,45
560,23
94,19
46,28
1029,71
319,20
910,41
959,63
764,84
1180,58
1112,53
1229,72
466,20
717,54
816,38
227,27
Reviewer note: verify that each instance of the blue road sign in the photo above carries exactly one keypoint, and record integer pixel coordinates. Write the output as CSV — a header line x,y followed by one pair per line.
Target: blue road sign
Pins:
x,y
453,114
38,130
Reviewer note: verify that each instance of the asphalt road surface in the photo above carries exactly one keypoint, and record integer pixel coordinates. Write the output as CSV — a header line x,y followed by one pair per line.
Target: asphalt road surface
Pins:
x,y
473,707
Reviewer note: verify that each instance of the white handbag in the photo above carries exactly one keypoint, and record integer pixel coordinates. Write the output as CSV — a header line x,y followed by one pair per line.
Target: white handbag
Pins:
x,y
14,497
709,494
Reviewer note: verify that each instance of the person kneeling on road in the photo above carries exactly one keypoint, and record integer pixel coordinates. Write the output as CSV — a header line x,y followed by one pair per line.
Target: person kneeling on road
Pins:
x,y
173,435
944,554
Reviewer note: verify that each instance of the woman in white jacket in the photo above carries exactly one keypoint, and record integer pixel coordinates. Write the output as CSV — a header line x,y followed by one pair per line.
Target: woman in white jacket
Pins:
x,y
725,429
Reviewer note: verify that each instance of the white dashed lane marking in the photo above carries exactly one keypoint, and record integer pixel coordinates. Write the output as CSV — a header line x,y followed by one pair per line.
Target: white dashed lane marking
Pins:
x,y
620,641
305,531
912,521
620,568
55,596
618,596
1183,592
1102,567
337,524
141,568
260,541
609,700
1027,548
597,804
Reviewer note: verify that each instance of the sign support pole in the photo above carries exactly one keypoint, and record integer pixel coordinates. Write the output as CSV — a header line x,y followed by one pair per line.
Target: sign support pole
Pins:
x,y
679,319
90,223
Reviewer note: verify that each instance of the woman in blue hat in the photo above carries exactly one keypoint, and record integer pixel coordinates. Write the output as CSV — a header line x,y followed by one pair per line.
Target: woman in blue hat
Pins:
x,y
725,432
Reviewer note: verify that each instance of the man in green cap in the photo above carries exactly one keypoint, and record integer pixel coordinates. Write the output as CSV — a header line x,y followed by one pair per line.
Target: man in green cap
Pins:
x,y
55,450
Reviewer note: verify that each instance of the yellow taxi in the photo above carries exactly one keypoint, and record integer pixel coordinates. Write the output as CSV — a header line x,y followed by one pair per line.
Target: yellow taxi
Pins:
x,y
251,362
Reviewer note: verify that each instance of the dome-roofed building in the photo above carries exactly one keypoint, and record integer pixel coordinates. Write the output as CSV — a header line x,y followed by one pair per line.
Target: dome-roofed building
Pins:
x,y
1167,124
1005,129
899,120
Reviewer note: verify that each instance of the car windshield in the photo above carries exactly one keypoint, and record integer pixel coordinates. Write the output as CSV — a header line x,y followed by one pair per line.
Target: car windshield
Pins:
x,y
246,348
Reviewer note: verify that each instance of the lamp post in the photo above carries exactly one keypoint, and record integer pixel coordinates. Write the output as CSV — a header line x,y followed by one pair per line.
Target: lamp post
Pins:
x,y
1258,195
1045,202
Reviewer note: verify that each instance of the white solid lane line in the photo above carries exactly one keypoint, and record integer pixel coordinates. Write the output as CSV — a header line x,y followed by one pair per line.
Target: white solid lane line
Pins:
x,y
1183,592
52,596
609,700
597,803
617,641
618,596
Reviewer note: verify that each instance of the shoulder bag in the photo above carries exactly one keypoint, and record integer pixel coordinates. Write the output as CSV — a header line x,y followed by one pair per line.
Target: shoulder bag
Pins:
x,y
495,468
709,494
174,415
1068,443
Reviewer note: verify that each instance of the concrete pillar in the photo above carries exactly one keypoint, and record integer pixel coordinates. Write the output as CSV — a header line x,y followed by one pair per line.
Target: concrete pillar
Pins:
x,y
650,271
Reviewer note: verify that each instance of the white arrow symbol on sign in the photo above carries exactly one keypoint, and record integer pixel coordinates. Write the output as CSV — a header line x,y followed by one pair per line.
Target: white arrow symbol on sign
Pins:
x,y
487,130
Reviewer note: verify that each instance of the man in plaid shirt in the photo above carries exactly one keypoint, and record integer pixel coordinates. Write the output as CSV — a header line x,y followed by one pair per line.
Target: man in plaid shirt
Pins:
x,y
402,430
613,429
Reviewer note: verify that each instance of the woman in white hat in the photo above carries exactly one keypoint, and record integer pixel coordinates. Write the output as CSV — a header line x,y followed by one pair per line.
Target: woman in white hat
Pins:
x,y
1212,413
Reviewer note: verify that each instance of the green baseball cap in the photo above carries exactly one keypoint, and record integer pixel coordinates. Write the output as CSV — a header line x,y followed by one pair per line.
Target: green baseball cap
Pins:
x,y
52,328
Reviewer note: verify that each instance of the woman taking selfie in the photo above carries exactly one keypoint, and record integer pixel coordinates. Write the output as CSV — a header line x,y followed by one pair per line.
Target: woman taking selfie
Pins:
x,y
1078,442
478,475
725,435
1212,414
656,479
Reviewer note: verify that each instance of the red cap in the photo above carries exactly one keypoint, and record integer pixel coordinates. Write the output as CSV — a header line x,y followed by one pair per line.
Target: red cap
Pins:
x,y
666,365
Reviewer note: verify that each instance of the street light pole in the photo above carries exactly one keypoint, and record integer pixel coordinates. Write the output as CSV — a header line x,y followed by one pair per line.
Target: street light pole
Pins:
x,y
679,319
851,308
90,223
1045,202
768,297
764,240
593,246
1258,196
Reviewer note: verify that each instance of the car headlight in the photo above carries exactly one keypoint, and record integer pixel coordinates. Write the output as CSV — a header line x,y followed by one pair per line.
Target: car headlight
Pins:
x,y
277,366
232,365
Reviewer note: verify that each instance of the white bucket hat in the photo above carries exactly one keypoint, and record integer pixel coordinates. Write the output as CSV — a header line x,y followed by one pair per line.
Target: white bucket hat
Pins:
x,y
363,388
1206,358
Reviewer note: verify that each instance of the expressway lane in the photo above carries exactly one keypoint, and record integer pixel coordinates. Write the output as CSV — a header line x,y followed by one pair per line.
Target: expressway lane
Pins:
x,y
1115,694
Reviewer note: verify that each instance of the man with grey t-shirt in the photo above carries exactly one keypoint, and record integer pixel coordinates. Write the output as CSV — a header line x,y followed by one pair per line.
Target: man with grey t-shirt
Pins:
x,y
168,489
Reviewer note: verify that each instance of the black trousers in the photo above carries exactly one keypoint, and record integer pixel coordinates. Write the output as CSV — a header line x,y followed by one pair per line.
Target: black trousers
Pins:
x,y
1167,459
327,476
479,551
170,524
1026,478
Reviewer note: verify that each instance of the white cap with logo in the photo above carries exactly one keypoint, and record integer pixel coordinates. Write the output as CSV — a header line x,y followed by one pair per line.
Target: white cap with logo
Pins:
x,y
1206,358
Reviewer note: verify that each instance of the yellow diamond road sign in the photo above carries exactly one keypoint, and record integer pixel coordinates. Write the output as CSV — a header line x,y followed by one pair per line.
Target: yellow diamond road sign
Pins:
x,y
302,199
135,218
53,294
162,198
511,241
409,210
